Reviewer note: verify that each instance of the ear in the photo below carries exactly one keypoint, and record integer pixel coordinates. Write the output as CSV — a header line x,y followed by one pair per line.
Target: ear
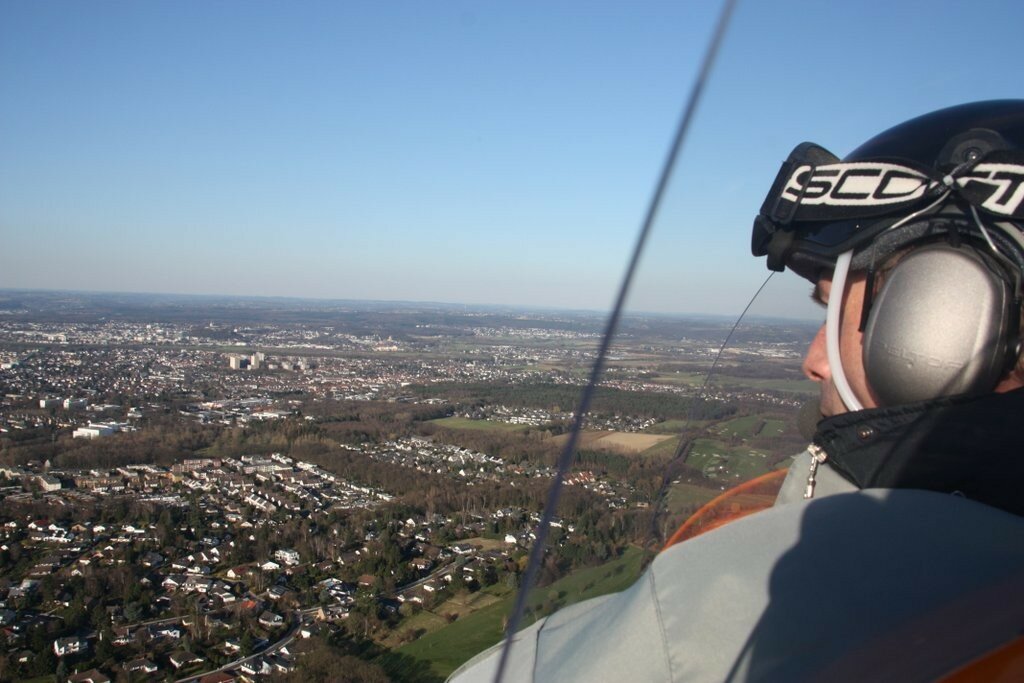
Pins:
x,y
1014,379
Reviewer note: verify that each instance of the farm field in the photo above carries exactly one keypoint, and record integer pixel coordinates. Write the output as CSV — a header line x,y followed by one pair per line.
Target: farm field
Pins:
x,y
724,380
628,442
623,443
749,427
683,498
481,425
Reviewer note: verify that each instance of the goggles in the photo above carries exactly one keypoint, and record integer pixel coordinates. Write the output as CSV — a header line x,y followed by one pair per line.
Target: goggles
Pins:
x,y
819,206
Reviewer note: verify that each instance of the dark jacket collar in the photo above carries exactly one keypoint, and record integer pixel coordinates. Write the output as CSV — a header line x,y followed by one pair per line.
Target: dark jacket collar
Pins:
x,y
967,445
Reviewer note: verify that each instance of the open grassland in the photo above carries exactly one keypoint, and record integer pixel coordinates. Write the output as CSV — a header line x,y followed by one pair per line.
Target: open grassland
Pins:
x,y
792,386
743,427
663,449
447,648
773,428
622,443
725,381
725,464
681,378
485,544
674,427
683,498
478,425
627,443
428,621
586,440
750,426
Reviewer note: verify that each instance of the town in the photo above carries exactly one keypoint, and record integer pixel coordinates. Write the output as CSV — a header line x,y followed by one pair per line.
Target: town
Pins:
x,y
211,494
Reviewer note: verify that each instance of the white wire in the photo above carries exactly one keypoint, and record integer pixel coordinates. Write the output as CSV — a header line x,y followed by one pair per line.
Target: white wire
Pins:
x,y
835,306
906,219
984,232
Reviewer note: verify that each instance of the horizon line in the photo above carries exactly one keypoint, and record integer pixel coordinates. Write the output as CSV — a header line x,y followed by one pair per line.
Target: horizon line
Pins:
x,y
325,300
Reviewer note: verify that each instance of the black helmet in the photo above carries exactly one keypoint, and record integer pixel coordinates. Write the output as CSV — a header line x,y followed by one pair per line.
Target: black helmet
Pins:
x,y
916,180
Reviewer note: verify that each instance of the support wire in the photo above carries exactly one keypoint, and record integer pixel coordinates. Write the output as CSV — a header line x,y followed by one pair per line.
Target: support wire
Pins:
x,y
566,457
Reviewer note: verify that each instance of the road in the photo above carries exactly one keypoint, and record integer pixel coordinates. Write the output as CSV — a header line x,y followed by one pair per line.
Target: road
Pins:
x,y
283,641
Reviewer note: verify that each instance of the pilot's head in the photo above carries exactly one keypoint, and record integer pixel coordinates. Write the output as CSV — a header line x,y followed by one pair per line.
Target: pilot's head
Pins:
x,y
914,241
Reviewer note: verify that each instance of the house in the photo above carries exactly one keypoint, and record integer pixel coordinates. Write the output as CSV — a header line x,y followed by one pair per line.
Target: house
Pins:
x,y
180,658
251,605
218,677
239,572
141,666
271,620
196,584
152,559
90,676
257,666
332,613
288,556
270,566
69,646
217,623
165,631
281,662
172,582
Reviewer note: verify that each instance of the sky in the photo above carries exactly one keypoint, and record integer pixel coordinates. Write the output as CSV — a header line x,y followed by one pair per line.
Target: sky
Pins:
x,y
466,151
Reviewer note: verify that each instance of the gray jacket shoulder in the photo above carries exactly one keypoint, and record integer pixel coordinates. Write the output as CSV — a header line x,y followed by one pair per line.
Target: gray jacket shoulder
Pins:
x,y
779,595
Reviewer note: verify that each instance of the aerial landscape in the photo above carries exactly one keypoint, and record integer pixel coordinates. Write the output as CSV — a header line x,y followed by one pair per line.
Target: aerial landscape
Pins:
x,y
300,303
195,485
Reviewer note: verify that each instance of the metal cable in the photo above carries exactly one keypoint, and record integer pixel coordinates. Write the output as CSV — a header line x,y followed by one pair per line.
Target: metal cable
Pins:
x,y
565,459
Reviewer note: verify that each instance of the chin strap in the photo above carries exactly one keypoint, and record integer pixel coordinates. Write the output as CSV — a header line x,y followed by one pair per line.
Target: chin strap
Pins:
x,y
835,307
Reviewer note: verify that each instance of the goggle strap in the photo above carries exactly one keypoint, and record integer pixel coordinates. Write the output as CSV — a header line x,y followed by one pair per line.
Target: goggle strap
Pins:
x,y
805,191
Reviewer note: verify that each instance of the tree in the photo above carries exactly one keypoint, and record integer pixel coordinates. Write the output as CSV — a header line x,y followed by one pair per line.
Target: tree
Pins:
x,y
324,663
44,663
105,646
247,643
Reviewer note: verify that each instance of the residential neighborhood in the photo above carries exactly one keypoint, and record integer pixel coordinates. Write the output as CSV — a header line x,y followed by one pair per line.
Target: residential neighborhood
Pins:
x,y
216,500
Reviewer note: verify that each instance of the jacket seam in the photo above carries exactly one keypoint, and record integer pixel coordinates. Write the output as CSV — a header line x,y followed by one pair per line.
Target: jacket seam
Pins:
x,y
661,624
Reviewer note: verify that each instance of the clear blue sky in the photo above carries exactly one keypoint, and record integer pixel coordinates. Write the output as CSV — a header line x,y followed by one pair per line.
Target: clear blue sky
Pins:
x,y
465,151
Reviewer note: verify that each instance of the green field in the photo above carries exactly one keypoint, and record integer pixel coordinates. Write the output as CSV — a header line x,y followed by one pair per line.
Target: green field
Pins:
x,y
751,426
670,426
793,386
723,379
676,426
743,427
730,465
480,425
774,427
444,650
683,497
665,449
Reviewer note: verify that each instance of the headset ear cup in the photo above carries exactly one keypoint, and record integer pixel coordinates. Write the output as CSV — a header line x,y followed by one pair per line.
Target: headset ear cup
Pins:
x,y
939,326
